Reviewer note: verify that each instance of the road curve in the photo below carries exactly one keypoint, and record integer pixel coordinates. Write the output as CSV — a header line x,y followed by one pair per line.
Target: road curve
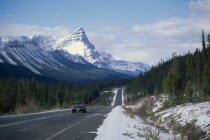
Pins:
x,y
58,125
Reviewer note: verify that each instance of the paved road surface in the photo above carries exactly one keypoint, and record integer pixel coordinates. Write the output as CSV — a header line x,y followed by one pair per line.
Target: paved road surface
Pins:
x,y
59,125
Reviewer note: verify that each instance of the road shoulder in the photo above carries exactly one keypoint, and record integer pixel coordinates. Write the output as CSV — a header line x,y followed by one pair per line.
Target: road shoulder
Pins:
x,y
121,126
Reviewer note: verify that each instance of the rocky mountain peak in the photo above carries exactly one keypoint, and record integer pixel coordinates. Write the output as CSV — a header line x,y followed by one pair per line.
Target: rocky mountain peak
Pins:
x,y
78,35
80,29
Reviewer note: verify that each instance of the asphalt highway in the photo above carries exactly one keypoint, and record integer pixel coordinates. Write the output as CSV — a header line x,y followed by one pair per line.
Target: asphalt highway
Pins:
x,y
56,125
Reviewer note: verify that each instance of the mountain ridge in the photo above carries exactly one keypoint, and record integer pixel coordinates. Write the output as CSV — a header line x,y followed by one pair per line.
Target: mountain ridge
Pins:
x,y
56,64
78,43
72,58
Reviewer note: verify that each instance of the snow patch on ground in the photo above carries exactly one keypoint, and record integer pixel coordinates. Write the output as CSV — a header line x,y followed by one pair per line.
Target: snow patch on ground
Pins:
x,y
120,126
186,113
159,102
104,92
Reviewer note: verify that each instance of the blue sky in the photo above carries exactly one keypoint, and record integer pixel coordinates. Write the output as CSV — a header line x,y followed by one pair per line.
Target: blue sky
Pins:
x,y
132,30
76,13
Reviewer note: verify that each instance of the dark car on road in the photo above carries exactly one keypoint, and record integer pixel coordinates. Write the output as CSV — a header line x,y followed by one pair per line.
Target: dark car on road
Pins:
x,y
79,106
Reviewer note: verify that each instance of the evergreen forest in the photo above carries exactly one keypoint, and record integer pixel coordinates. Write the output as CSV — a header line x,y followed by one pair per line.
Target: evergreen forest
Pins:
x,y
23,96
185,78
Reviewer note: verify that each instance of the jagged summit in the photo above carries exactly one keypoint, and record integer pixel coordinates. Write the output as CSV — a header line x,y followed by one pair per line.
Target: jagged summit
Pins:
x,y
78,43
79,35
79,29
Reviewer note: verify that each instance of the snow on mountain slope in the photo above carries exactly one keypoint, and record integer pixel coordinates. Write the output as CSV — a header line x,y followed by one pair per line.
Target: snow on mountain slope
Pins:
x,y
34,52
107,56
74,58
78,44
24,51
44,42
8,58
38,55
131,68
124,65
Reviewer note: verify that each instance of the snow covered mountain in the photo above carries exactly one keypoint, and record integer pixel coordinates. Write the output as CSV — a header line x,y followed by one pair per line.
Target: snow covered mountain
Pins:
x,y
132,68
78,44
64,58
36,54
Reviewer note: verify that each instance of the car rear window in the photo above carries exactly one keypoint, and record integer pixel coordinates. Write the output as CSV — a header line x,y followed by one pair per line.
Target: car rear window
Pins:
x,y
78,104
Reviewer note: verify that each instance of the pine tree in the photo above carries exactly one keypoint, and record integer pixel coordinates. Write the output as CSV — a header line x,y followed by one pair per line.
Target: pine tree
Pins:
x,y
206,73
171,82
198,78
206,78
208,40
204,46
20,95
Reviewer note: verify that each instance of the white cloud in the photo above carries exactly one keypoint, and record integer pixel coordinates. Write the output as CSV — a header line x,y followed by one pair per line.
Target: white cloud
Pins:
x,y
30,30
151,42
200,8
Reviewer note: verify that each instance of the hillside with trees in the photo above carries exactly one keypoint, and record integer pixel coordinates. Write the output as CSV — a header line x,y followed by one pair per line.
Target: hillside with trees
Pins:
x,y
186,78
23,96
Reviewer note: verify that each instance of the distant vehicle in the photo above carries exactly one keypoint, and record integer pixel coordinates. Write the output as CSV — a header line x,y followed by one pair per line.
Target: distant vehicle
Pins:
x,y
79,106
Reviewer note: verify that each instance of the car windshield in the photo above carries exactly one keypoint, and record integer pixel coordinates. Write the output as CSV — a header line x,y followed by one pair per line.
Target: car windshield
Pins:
x,y
78,104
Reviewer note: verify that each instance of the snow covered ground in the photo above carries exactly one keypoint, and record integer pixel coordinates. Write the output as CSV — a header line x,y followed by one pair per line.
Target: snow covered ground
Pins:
x,y
159,102
121,126
183,114
197,114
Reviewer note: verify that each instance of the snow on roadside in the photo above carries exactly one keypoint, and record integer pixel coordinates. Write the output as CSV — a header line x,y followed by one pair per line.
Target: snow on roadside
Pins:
x,y
123,97
120,126
115,94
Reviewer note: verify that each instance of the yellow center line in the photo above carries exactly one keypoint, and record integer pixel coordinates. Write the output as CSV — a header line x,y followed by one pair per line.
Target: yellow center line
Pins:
x,y
32,120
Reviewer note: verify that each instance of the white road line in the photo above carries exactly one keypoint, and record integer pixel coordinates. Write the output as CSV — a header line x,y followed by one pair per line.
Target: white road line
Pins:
x,y
91,132
56,134
44,112
42,118
94,115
